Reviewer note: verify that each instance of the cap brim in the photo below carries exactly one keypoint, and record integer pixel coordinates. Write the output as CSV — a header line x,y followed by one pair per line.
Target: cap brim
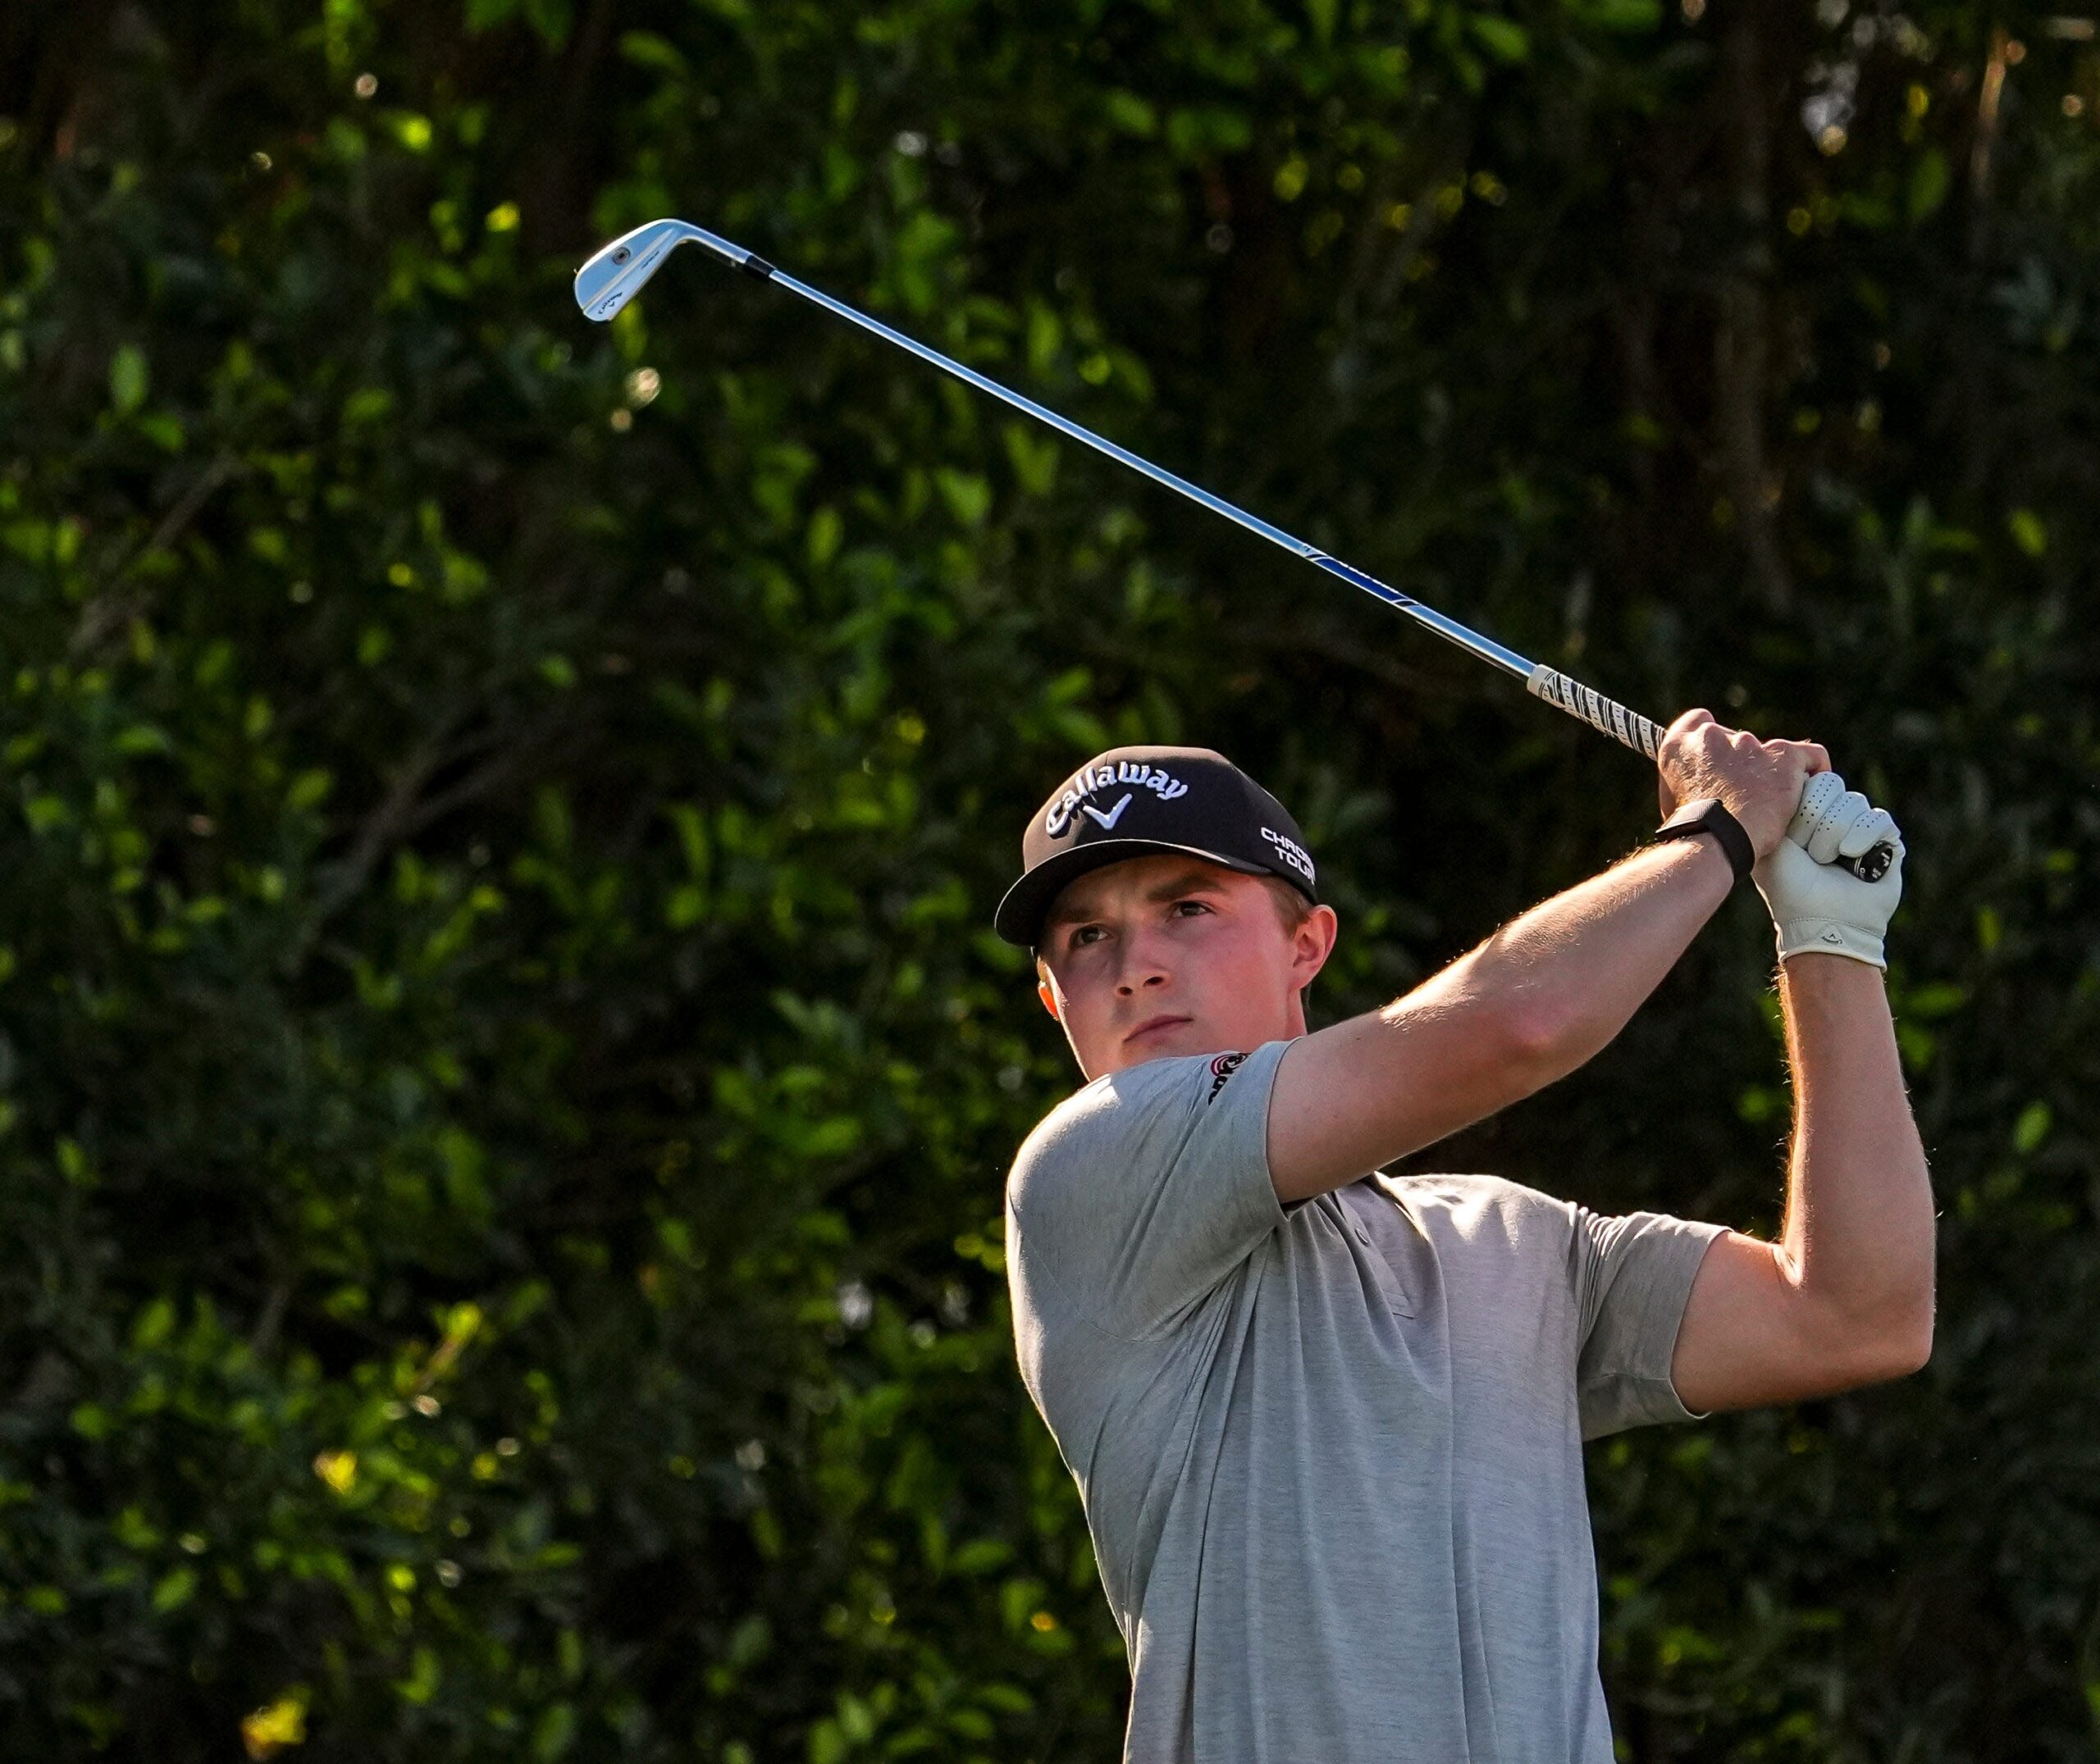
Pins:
x,y
1019,920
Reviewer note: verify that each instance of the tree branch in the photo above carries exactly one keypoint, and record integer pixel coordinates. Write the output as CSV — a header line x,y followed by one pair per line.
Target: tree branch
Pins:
x,y
111,607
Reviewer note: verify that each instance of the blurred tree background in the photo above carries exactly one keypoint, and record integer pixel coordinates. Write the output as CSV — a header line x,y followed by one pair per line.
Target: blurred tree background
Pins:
x,y
505,1080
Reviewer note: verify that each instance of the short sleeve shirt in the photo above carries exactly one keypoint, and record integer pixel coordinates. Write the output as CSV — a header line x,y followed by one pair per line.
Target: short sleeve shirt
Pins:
x,y
1331,1454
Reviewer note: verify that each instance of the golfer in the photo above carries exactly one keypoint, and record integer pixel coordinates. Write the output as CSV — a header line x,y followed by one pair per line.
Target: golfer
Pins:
x,y
1326,1423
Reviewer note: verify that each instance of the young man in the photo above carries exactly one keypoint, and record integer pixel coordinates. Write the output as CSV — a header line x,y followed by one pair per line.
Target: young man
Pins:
x,y
1326,1424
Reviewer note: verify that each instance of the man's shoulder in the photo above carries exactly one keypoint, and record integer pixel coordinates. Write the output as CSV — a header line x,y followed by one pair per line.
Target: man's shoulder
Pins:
x,y
1198,1074
1153,1103
1094,1105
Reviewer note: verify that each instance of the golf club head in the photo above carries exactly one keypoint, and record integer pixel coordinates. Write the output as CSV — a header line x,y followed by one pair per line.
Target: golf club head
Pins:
x,y
616,272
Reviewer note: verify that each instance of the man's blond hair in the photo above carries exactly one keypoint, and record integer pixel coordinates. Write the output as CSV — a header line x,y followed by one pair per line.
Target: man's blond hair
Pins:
x,y
1292,907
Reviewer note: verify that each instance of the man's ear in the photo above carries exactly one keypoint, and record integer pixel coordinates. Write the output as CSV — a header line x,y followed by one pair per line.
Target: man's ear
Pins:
x,y
1048,994
1313,943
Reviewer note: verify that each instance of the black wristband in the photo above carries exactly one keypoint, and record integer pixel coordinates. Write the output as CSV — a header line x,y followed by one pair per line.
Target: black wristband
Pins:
x,y
1708,814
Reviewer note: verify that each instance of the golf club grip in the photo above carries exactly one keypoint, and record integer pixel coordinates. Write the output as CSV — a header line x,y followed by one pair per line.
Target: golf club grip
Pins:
x,y
1606,715
1631,729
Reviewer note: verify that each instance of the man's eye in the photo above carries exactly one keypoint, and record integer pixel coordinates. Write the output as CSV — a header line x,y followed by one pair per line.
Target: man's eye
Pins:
x,y
1084,934
1194,905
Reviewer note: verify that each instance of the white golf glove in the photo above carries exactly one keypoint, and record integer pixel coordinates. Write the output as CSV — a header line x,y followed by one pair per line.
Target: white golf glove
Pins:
x,y
1817,905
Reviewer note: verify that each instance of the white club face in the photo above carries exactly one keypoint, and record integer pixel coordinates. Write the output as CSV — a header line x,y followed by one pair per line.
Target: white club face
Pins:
x,y
616,272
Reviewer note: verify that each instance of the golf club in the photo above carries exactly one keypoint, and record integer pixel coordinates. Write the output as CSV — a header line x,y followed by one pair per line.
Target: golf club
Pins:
x,y
617,271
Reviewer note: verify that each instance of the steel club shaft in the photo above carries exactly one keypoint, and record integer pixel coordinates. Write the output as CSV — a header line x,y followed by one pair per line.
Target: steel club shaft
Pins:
x,y
616,272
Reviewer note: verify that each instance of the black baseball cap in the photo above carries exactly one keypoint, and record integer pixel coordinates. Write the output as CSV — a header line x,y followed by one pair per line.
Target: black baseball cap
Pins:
x,y
1131,802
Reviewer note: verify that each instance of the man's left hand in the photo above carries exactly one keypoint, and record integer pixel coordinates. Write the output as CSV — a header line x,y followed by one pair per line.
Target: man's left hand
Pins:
x,y
1817,905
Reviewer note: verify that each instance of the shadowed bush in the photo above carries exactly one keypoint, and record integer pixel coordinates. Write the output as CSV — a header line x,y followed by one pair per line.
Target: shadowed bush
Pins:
x,y
505,1079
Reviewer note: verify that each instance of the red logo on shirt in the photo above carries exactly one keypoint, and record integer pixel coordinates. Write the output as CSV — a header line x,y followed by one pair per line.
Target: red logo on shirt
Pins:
x,y
1221,1069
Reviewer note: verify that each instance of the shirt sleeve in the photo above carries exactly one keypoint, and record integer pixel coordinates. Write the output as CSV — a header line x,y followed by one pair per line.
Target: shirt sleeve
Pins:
x,y
1135,1198
1633,1274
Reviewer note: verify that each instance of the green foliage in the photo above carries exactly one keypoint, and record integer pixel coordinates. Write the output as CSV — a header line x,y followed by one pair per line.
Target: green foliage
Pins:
x,y
504,1082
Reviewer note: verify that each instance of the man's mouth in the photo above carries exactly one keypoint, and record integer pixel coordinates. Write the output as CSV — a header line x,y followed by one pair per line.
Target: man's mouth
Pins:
x,y
1152,1023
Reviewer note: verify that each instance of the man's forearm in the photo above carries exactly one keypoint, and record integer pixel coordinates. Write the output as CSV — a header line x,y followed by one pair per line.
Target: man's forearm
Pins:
x,y
1859,1228
1572,971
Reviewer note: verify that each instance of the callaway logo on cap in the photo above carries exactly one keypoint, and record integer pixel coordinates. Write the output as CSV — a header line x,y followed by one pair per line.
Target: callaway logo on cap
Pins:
x,y
1132,801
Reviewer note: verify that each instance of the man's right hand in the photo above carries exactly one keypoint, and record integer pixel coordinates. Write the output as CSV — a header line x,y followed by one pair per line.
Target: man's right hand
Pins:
x,y
1759,783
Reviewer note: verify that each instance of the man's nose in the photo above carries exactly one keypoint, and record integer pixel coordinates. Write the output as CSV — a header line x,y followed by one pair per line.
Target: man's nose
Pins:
x,y
1141,967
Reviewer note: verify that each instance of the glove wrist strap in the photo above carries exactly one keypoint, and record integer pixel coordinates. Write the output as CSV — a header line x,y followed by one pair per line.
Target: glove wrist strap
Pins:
x,y
1709,814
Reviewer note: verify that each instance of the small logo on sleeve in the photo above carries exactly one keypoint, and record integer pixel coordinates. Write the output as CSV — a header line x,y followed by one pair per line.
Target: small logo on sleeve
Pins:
x,y
1221,1069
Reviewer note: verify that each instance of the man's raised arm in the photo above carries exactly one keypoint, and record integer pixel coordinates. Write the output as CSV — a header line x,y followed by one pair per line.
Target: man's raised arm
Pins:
x,y
1845,1297
1539,997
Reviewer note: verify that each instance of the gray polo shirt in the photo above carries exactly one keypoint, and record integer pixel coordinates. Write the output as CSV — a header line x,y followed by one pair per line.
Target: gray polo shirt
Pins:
x,y
1331,1454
